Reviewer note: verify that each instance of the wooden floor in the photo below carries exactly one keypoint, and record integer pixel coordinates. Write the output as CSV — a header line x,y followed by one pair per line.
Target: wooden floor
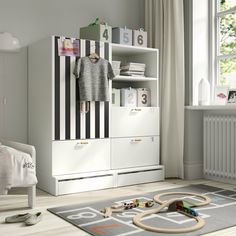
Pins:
x,y
16,203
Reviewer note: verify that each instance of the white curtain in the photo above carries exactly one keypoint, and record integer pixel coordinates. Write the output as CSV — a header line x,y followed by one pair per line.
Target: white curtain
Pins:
x,y
164,21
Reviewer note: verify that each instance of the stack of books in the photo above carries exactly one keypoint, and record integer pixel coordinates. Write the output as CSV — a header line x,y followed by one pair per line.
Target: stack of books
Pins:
x,y
133,69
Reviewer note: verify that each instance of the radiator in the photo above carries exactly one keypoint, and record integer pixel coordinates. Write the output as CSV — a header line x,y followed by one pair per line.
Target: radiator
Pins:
x,y
220,147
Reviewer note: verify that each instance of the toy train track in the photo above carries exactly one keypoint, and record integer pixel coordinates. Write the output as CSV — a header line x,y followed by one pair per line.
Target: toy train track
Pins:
x,y
179,205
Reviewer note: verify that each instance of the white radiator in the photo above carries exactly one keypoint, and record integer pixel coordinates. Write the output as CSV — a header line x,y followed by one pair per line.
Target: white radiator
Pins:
x,y
220,147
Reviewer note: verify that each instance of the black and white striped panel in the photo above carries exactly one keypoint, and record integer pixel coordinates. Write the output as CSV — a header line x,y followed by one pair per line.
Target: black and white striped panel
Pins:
x,y
69,123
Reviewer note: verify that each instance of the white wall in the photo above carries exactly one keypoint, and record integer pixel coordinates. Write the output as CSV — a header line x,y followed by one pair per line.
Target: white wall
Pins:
x,y
31,20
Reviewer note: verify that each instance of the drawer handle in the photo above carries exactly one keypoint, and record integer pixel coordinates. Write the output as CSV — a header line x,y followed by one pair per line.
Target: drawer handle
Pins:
x,y
136,109
136,140
83,143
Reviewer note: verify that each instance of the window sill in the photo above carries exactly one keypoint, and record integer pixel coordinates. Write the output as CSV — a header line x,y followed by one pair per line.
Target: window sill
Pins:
x,y
212,107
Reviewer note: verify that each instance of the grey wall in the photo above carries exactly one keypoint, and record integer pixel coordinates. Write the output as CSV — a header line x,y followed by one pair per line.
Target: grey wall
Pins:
x,y
32,20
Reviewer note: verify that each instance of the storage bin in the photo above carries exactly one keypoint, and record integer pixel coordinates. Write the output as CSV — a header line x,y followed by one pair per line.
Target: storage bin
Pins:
x,y
128,97
115,97
140,38
116,72
116,65
97,32
122,35
143,97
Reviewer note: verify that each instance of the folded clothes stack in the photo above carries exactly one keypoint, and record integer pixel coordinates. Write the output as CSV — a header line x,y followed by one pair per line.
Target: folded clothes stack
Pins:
x,y
133,69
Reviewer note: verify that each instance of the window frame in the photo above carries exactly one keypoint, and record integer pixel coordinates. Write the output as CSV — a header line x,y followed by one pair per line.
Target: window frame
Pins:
x,y
218,57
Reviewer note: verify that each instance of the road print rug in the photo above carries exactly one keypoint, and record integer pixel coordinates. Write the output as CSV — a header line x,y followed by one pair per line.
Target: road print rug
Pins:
x,y
219,214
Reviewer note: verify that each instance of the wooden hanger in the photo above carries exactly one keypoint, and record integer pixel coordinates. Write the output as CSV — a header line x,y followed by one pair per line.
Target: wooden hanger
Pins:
x,y
93,55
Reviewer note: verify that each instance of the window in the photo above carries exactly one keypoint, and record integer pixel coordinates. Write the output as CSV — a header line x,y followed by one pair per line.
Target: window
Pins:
x,y
226,43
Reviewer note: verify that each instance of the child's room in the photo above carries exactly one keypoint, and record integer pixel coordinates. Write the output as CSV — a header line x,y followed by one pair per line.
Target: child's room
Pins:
x,y
118,117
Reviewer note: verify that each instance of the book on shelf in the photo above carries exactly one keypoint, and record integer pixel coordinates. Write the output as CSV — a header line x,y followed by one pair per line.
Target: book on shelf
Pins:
x,y
133,66
132,73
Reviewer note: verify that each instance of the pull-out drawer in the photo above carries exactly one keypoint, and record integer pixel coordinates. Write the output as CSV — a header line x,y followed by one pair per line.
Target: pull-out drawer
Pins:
x,y
128,121
134,152
78,156
85,184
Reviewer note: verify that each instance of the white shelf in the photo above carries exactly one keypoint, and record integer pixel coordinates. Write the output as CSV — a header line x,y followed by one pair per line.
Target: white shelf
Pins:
x,y
119,49
133,78
212,107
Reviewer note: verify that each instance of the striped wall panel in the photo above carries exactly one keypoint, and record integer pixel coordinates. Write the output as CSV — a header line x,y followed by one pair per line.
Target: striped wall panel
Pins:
x,y
69,123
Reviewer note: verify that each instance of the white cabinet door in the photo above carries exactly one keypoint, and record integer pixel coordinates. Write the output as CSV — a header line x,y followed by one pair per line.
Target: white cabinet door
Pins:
x,y
129,122
78,156
134,152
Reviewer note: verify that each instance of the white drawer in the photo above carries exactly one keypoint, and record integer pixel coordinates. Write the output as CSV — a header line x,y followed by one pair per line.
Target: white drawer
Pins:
x,y
134,152
71,157
138,177
85,184
128,122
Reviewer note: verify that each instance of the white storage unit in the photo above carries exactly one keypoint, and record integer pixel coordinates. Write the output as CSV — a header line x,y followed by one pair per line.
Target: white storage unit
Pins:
x,y
106,147
135,135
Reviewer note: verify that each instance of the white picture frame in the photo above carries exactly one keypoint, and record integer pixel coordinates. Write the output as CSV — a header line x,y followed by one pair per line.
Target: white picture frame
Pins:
x,y
221,95
231,98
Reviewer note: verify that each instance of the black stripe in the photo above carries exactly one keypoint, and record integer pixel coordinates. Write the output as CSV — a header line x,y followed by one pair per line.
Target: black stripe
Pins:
x,y
77,111
57,90
97,119
67,92
106,52
88,123
97,48
106,120
87,47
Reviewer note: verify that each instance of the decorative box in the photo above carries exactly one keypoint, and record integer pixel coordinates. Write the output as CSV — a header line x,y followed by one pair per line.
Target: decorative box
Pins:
x,y
128,97
143,97
140,38
115,97
116,72
116,65
122,35
98,32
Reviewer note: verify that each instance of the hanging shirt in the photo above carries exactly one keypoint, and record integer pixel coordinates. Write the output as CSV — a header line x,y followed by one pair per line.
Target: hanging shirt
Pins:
x,y
93,78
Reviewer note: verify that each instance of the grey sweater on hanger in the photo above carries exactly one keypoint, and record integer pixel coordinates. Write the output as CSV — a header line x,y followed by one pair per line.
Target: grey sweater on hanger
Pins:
x,y
93,76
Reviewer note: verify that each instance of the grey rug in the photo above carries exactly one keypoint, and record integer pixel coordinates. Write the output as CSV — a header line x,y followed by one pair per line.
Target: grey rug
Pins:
x,y
220,214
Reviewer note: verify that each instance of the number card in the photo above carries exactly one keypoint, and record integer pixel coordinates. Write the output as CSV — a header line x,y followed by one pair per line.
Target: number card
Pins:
x,y
122,36
143,97
140,38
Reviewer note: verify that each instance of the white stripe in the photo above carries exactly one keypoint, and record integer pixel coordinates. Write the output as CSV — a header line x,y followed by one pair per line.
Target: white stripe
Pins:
x,y
101,119
102,106
102,49
72,100
92,46
62,98
92,119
